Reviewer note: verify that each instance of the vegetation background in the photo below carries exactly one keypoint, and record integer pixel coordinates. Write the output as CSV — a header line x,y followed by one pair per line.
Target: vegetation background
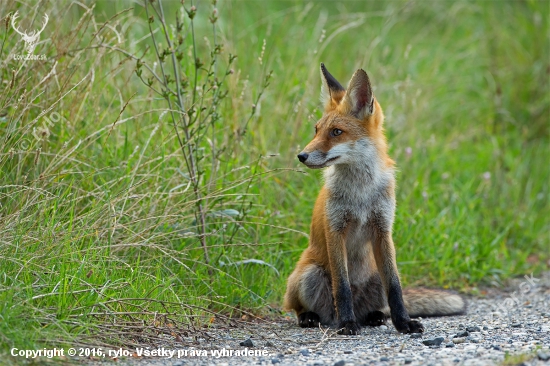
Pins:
x,y
148,179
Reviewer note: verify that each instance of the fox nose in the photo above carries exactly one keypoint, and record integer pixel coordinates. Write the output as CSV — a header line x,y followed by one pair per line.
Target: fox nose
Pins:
x,y
302,156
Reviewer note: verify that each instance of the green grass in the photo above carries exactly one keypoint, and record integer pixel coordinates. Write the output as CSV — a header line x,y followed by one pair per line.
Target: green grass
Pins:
x,y
98,222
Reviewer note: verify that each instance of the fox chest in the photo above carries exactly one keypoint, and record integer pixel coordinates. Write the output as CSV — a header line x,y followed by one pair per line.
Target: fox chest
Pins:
x,y
354,204
357,217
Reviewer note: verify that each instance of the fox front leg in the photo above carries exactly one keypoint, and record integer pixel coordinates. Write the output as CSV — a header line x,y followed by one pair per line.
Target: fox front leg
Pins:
x,y
384,254
341,289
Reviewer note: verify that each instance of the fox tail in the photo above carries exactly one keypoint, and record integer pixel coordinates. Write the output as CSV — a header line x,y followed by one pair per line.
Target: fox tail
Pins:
x,y
422,302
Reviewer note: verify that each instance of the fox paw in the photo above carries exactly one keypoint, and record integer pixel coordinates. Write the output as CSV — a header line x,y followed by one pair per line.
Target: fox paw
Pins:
x,y
308,320
410,326
375,319
349,328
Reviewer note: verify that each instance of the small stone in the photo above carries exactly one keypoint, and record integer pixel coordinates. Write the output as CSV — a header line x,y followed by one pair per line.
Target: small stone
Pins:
x,y
474,328
485,327
543,356
348,352
456,360
459,340
463,333
450,345
384,358
496,347
247,343
474,340
304,352
340,363
279,355
383,327
461,326
275,360
516,325
415,335
269,344
408,361
433,341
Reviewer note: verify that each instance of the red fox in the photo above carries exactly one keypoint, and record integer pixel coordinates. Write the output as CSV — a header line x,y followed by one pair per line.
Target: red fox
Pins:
x,y
348,274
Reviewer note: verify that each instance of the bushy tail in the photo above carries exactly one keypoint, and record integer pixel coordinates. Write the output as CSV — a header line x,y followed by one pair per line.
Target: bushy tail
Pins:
x,y
422,302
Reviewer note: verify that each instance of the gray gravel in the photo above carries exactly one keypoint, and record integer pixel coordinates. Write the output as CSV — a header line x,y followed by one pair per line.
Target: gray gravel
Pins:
x,y
503,324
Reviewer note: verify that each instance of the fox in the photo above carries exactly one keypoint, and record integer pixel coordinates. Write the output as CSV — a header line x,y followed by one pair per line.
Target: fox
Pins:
x,y
347,276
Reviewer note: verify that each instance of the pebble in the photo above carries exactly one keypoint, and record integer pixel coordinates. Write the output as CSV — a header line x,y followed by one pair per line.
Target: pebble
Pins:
x,y
304,352
415,335
408,361
247,343
543,356
474,328
459,340
450,345
275,360
463,333
340,363
384,358
433,341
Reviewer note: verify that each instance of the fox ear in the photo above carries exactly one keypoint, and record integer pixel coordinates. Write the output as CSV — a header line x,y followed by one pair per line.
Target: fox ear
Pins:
x,y
332,91
359,95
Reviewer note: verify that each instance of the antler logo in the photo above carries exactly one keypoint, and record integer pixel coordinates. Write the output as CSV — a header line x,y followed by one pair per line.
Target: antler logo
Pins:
x,y
30,39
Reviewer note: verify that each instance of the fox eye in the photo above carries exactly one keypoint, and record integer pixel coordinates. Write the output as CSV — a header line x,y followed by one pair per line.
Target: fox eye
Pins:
x,y
336,132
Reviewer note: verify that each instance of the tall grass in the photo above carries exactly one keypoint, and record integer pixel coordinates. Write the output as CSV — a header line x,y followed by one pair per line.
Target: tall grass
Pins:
x,y
136,206
124,213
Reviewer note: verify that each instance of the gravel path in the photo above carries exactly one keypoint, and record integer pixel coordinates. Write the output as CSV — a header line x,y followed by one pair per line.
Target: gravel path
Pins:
x,y
513,324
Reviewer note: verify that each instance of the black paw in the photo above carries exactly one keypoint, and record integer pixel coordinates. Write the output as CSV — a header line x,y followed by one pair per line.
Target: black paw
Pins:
x,y
349,328
416,327
409,326
375,319
308,320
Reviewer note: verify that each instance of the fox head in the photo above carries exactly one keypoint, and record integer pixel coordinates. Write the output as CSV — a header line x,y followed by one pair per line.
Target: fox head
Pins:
x,y
350,129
